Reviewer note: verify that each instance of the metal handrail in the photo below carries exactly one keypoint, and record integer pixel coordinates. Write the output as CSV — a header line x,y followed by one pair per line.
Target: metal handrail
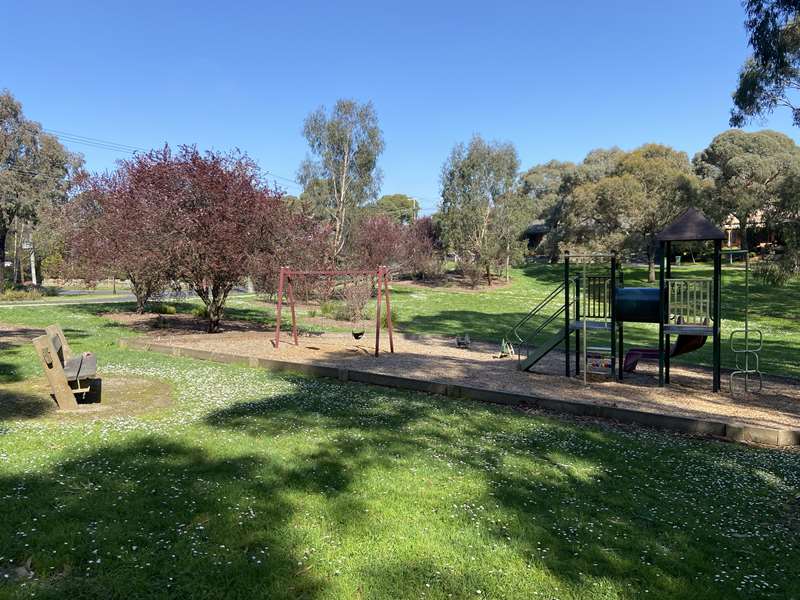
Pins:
x,y
549,298
549,320
528,342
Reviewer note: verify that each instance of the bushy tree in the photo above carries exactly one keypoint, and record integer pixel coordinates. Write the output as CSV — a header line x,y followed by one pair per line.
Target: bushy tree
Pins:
x,y
424,248
544,185
510,216
346,145
562,210
400,207
602,213
35,171
122,222
223,215
748,171
378,240
475,179
668,185
615,200
304,244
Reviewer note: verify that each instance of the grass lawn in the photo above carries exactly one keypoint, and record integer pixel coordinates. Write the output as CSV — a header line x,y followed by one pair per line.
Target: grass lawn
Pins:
x,y
255,485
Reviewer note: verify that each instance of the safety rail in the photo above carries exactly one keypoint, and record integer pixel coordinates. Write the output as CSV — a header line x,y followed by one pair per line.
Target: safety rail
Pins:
x,y
526,345
689,301
596,301
515,331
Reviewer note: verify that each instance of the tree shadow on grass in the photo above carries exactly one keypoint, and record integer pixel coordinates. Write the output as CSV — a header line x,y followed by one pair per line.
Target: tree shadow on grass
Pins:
x,y
15,405
156,518
643,513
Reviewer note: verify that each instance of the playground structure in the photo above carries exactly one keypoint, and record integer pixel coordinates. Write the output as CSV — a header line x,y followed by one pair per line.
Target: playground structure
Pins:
x,y
379,278
596,304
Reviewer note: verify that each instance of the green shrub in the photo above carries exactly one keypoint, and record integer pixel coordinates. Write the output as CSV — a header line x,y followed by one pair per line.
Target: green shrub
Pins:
x,y
329,308
311,313
777,272
342,313
49,290
369,315
20,295
201,312
163,309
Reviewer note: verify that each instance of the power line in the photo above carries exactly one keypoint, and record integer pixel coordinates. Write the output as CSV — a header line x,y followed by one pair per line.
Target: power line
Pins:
x,y
95,142
102,144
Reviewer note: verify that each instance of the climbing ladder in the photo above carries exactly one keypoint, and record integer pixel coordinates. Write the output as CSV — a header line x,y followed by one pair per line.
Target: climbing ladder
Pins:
x,y
746,353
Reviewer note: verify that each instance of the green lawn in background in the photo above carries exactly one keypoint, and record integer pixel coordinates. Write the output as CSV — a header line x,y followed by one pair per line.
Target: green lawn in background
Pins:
x,y
258,485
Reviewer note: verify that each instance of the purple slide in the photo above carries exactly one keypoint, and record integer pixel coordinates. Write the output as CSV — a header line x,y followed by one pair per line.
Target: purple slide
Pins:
x,y
683,345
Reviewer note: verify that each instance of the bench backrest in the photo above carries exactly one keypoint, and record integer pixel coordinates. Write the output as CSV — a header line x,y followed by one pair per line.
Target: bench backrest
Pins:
x,y
52,361
59,342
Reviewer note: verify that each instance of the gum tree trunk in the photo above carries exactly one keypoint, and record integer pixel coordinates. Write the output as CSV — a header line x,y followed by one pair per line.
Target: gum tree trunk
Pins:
x,y
3,234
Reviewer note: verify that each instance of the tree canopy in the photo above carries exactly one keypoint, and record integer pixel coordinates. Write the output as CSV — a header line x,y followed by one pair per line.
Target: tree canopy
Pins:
x,y
403,209
35,170
748,171
477,179
346,145
769,78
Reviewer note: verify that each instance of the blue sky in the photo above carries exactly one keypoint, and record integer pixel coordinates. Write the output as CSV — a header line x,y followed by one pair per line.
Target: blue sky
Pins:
x,y
556,79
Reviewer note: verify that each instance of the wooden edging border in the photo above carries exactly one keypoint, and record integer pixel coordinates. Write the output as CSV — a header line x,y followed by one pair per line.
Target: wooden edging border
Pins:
x,y
737,432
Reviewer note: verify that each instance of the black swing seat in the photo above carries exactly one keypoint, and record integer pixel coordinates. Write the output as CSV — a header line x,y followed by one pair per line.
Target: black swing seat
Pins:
x,y
81,367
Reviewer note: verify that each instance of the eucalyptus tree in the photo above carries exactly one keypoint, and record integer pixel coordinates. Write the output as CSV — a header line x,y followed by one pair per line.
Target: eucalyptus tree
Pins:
x,y
553,186
477,180
668,185
400,207
34,169
345,145
769,78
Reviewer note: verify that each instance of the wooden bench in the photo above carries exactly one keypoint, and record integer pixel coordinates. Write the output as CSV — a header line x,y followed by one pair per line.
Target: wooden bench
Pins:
x,y
71,377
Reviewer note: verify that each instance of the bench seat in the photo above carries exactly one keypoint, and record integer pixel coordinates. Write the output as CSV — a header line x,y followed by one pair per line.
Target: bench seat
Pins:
x,y
81,367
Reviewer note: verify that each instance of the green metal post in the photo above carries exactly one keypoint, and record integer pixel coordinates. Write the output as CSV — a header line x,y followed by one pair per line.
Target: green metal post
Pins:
x,y
717,312
566,312
577,329
667,344
662,312
620,341
613,307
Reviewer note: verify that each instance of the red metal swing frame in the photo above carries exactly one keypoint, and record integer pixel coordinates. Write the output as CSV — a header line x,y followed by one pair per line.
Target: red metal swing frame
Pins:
x,y
381,275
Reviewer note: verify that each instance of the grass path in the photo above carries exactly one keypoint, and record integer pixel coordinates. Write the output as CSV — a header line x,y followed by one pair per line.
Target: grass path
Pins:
x,y
259,485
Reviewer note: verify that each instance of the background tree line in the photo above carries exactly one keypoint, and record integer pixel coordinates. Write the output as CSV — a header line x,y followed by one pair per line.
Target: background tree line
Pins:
x,y
210,221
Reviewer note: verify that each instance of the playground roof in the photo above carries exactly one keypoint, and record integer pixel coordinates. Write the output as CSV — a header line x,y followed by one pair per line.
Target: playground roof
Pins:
x,y
690,225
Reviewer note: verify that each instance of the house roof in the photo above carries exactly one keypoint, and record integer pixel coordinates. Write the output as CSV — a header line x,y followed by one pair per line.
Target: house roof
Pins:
x,y
537,226
691,225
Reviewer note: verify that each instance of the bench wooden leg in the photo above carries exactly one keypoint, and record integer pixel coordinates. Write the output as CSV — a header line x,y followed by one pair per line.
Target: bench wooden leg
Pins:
x,y
65,397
